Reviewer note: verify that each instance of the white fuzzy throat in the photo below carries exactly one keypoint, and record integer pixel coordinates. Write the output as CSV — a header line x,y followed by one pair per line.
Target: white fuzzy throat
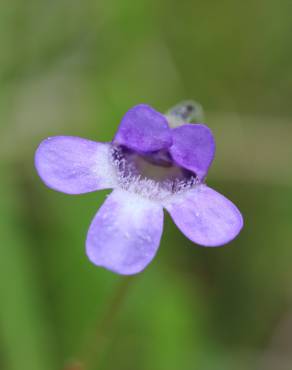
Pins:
x,y
157,182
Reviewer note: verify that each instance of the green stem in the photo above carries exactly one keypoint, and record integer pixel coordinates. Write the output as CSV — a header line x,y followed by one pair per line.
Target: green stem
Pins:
x,y
94,349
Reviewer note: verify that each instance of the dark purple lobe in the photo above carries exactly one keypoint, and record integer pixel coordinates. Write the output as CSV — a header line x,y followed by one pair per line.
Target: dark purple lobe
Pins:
x,y
193,148
143,129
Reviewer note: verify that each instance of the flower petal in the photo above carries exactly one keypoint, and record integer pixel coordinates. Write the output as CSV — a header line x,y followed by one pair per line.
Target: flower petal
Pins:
x,y
125,233
193,148
205,216
74,165
143,129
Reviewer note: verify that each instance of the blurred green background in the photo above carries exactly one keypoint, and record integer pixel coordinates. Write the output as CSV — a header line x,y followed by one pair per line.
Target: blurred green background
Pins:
x,y
74,68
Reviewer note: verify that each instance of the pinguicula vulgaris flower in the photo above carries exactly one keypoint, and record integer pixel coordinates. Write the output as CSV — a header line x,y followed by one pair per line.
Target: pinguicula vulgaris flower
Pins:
x,y
153,162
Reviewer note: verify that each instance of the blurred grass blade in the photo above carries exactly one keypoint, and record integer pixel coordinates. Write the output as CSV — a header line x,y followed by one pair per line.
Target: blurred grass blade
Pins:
x,y
24,332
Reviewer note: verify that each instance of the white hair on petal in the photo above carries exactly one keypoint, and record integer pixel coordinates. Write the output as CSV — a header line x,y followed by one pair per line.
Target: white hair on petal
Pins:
x,y
129,178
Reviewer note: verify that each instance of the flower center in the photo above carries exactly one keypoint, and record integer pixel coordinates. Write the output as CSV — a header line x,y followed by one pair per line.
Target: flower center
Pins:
x,y
152,175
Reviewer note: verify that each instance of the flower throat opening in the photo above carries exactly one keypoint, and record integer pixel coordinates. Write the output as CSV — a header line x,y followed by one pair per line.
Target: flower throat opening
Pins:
x,y
153,175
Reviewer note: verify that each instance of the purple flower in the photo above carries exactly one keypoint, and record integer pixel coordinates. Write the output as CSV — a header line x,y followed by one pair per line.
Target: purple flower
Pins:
x,y
150,166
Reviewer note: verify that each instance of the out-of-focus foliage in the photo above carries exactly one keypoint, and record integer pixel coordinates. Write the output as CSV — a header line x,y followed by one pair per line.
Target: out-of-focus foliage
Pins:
x,y
75,67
